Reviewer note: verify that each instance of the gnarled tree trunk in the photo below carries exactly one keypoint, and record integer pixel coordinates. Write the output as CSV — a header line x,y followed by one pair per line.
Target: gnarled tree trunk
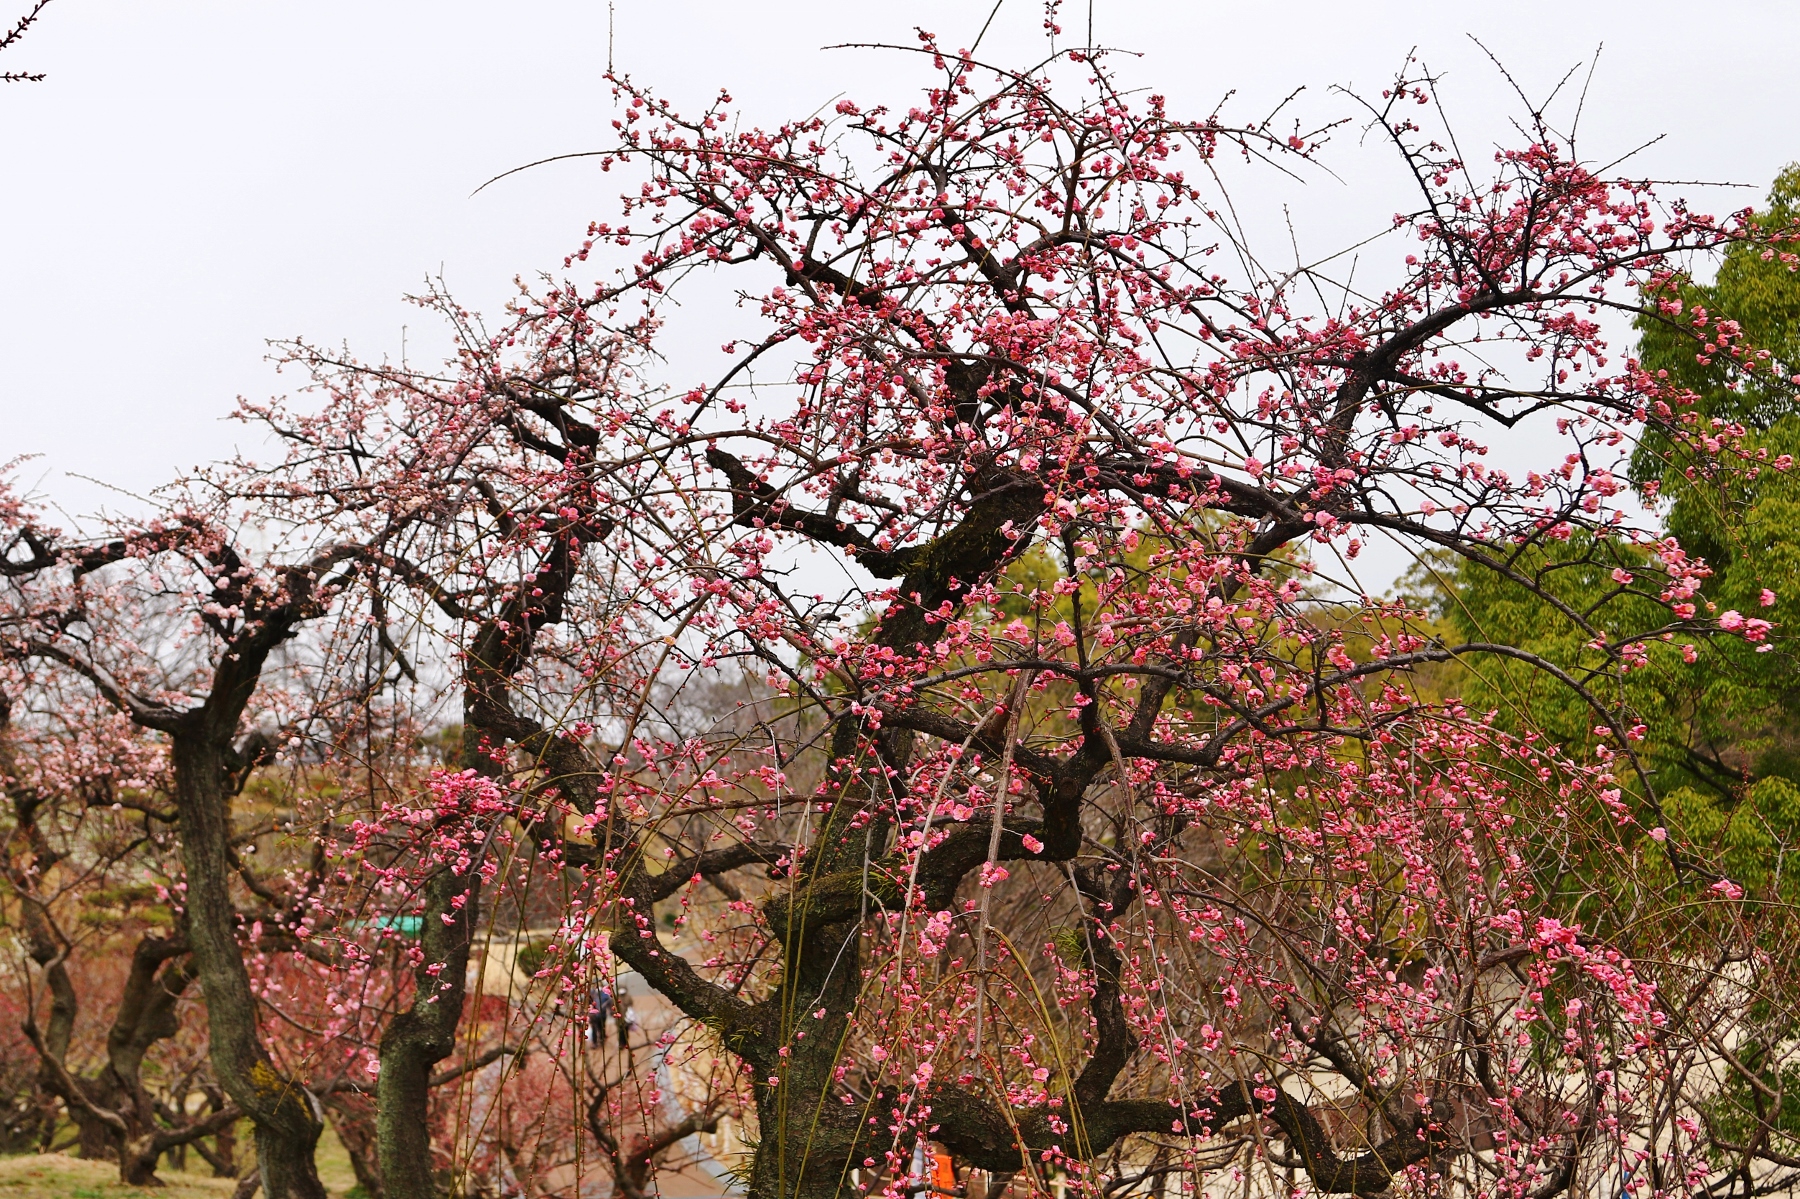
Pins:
x,y
425,1034
287,1117
422,1036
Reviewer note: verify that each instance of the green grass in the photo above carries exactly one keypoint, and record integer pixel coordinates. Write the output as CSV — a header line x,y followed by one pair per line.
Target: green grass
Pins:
x,y
59,1176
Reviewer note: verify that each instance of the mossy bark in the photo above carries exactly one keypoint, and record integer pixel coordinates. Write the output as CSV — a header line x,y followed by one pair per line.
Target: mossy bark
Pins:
x,y
287,1118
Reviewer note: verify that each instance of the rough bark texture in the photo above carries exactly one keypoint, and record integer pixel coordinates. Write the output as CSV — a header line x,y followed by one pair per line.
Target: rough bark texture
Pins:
x,y
249,617
425,1033
810,1143
209,768
287,1117
114,1114
422,1036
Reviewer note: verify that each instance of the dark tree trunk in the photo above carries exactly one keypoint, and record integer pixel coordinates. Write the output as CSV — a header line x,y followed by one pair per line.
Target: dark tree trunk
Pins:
x,y
95,1140
113,1114
425,1034
209,768
137,1161
286,1116
422,1036
810,1143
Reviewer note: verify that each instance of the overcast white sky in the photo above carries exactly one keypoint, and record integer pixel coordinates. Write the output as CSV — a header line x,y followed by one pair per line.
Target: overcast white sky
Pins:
x,y
194,178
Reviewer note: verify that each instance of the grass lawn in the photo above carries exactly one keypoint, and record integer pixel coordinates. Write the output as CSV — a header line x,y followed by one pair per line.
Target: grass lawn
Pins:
x,y
59,1176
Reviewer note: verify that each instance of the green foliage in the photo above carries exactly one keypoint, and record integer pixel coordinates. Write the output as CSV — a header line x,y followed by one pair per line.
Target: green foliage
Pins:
x,y
1576,580
1761,293
1719,727
124,896
1742,1110
1741,807
444,744
1749,837
1069,944
1745,523
532,956
1031,574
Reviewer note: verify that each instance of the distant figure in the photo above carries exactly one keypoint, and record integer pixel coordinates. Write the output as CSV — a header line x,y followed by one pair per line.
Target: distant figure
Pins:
x,y
627,1019
943,1174
597,1016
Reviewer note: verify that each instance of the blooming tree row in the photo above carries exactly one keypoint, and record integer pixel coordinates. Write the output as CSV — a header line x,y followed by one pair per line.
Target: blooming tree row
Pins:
x,y
1084,823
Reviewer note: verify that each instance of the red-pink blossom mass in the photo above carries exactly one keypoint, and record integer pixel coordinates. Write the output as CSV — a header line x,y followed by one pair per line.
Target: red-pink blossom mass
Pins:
x,y
941,734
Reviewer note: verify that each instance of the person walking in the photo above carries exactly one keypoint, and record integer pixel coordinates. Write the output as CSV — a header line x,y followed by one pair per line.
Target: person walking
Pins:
x,y
597,1015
